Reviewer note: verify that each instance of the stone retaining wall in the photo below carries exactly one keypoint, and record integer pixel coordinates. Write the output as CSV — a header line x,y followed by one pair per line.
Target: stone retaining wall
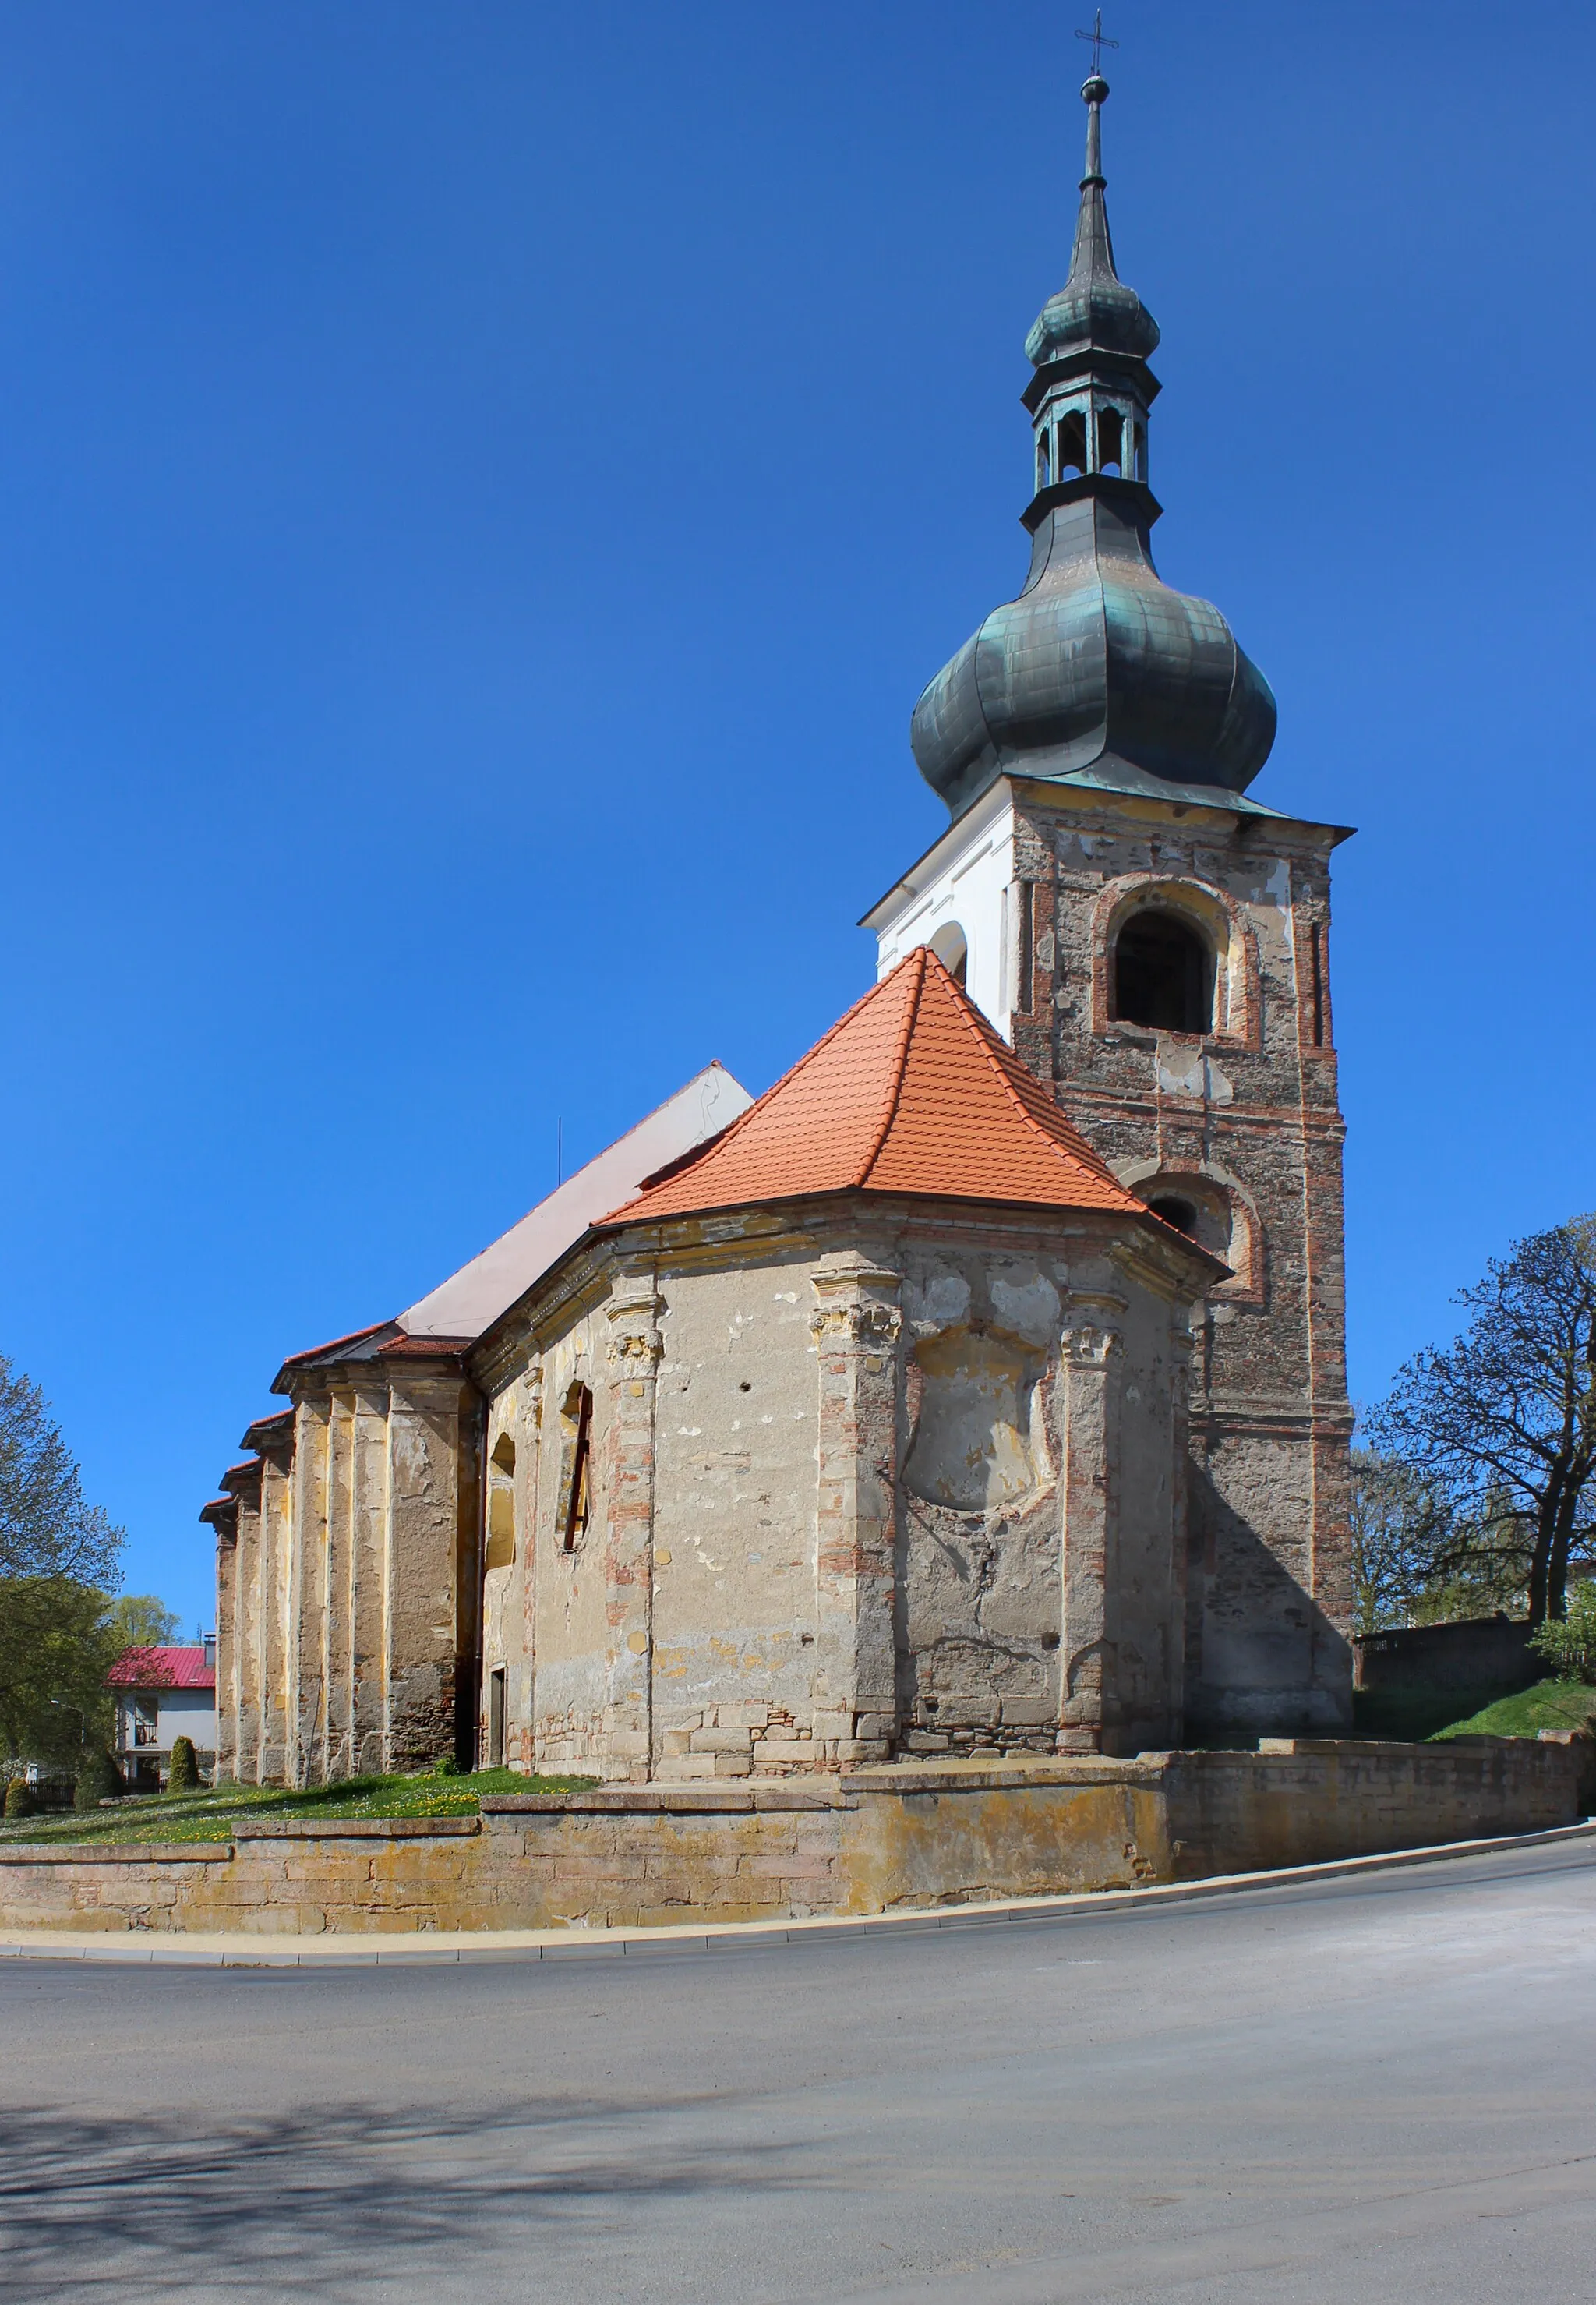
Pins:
x,y
880,1839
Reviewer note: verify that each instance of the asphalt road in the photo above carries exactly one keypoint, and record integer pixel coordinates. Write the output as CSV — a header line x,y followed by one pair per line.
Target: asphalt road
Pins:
x,y
1369,2089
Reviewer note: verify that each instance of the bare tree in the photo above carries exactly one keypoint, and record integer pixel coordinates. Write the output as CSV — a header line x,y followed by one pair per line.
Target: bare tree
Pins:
x,y
1393,1521
1498,1428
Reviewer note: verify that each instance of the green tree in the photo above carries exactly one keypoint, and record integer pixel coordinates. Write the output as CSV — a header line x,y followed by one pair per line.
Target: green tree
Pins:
x,y
57,1554
1498,1428
140,1622
47,1528
183,1776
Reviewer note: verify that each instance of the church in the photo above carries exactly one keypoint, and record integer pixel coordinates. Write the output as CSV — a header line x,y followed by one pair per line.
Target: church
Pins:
x,y
977,1390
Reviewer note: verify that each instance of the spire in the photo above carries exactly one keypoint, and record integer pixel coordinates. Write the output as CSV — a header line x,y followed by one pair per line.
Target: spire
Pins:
x,y
1094,310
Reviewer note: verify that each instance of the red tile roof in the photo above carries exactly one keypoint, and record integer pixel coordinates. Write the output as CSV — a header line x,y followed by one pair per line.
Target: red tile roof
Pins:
x,y
912,1092
163,1668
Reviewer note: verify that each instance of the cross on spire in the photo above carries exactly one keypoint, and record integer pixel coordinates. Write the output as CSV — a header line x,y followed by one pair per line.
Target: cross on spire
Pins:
x,y
1099,41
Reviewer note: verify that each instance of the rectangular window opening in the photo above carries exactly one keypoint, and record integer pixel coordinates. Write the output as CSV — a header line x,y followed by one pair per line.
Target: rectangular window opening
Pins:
x,y
495,1717
575,1485
1026,936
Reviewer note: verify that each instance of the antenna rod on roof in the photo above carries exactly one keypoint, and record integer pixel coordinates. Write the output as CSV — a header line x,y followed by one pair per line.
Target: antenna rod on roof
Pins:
x,y
559,1152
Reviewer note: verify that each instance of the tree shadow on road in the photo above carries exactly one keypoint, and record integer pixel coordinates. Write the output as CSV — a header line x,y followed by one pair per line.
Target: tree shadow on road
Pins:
x,y
339,2201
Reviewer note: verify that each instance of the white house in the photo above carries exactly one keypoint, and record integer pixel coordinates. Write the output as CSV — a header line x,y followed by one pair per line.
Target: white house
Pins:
x,y
163,1694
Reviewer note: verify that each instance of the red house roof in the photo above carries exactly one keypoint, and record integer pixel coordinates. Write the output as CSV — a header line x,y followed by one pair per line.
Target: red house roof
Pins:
x,y
163,1668
912,1092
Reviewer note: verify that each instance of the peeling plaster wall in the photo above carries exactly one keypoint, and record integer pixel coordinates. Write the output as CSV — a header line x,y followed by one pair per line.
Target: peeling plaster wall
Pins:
x,y
840,1507
570,1665
735,1530
985,1656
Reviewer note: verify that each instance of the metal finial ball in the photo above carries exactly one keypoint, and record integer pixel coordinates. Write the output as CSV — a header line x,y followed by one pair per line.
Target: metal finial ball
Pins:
x,y
1095,89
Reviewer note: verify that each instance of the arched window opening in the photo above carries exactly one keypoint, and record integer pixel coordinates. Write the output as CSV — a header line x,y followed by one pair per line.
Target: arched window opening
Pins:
x,y
949,946
501,1503
575,1505
1176,1212
1111,427
1072,444
1044,460
1163,975
1205,1211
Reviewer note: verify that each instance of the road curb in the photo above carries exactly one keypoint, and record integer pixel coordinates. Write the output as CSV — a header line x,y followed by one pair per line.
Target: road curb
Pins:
x,y
239,1949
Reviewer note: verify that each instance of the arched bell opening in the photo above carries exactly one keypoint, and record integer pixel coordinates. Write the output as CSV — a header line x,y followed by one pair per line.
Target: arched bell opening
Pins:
x,y
1072,443
1110,432
1208,1215
1162,974
952,950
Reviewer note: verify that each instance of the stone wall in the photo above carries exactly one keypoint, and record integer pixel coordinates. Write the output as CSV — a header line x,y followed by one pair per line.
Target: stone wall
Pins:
x,y
1244,1123
901,1837
1481,1653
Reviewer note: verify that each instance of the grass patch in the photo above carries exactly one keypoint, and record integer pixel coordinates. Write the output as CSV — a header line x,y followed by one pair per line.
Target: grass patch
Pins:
x,y
1549,1705
211,1814
1411,1716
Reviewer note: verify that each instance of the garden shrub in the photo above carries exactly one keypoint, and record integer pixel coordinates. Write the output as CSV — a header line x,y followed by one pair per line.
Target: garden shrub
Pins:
x,y
19,1800
1569,1642
183,1776
99,1778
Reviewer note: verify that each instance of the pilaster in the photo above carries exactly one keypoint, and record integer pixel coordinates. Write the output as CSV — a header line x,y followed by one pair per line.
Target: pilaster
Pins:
x,y
367,1547
858,1329
272,1618
426,1630
304,1757
529,1475
632,1350
239,1658
227,1673
1089,1388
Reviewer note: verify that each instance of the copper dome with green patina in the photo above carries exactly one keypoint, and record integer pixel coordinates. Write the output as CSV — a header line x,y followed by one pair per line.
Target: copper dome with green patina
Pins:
x,y
1098,672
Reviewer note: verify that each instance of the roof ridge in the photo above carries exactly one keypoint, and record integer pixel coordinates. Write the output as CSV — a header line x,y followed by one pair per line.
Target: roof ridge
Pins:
x,y
1007,1065
894,1087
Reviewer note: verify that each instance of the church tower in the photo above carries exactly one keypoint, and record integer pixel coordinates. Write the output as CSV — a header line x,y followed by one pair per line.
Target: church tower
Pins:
x,y
1153,943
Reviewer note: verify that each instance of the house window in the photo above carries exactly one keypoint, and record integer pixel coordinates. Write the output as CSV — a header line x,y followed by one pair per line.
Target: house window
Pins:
x,y
576,1497
495,1717
1163,974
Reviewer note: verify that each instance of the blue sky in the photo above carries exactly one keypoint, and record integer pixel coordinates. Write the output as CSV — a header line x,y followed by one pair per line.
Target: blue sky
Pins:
x,y
482,485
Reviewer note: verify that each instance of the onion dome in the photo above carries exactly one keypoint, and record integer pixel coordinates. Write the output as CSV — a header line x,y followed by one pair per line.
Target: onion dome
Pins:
x,y
1100,672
